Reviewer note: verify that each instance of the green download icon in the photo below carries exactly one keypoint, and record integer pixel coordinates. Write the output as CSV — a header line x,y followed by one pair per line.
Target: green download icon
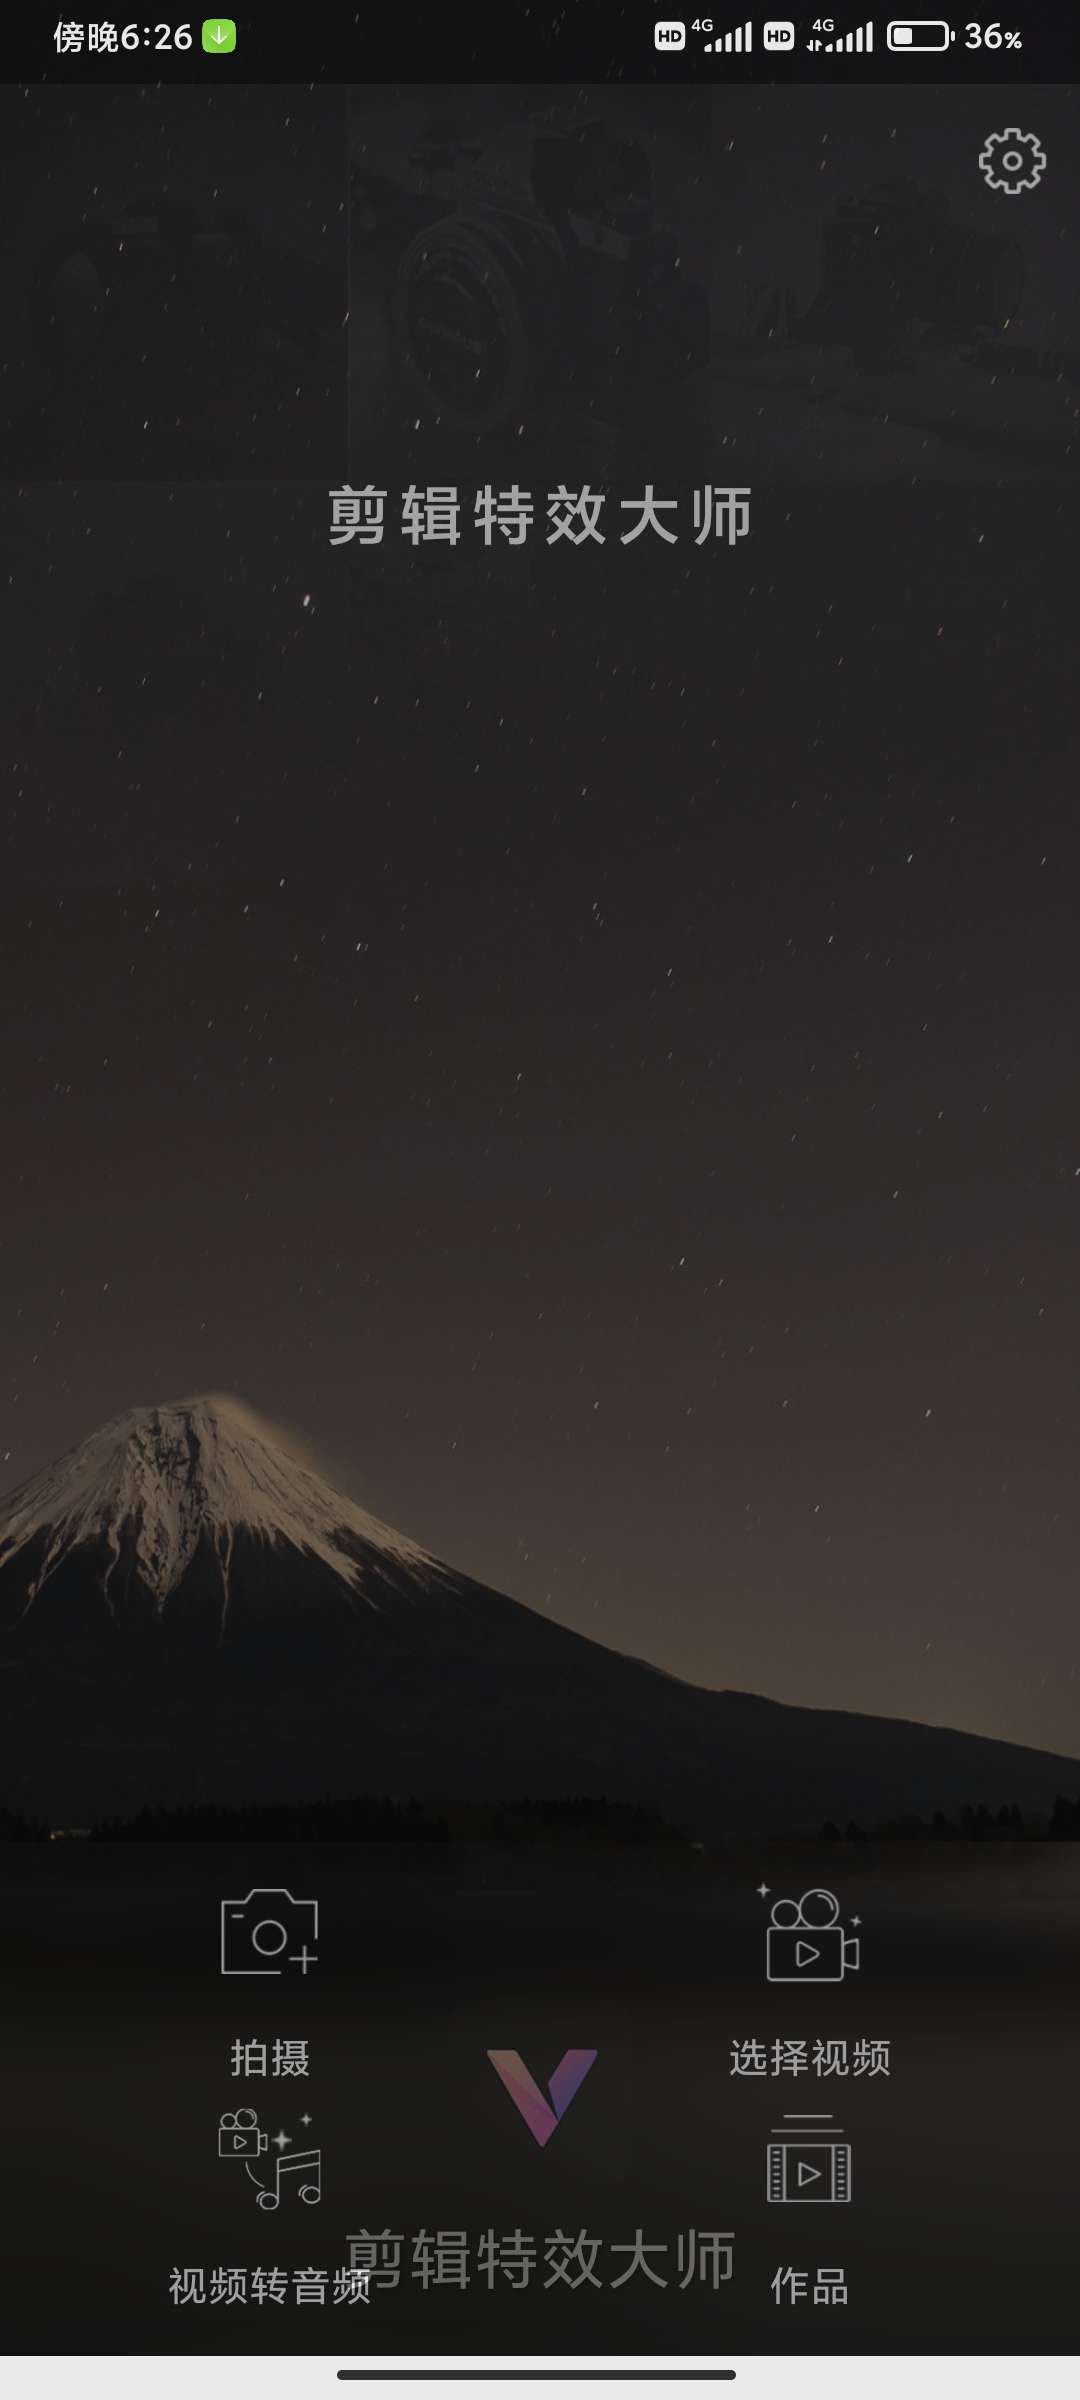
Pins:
x,y
219,33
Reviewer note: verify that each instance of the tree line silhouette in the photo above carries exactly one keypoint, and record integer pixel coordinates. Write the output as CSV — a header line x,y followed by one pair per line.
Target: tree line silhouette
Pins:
x,y
581,1819
974,1823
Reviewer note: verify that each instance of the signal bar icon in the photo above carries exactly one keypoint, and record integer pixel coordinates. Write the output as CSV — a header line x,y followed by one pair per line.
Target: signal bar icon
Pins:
x,y
740,38
861,39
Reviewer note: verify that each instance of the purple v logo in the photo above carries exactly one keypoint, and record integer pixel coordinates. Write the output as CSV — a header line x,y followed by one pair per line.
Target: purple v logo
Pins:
x,y
526,2095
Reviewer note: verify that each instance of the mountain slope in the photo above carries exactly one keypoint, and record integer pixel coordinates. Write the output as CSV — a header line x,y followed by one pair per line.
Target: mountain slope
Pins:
x,y
149,1492
189,1612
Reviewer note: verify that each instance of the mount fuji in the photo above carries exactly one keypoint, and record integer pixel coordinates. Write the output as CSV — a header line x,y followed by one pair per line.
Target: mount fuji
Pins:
x,y
190,1613
188,1519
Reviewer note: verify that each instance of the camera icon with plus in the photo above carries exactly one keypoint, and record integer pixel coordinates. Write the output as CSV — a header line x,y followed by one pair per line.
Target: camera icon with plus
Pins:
x,y
268,1933
805,1942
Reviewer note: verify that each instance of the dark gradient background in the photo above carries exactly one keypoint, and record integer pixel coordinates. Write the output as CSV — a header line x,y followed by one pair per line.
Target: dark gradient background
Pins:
x,y
958,2235
633,1141
587,1043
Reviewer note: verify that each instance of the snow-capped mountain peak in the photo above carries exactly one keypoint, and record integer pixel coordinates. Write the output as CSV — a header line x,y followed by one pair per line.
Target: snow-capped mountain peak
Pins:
x,y
158,1482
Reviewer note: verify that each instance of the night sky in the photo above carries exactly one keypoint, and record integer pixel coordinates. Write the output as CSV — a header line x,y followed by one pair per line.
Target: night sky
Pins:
x,y
596,1061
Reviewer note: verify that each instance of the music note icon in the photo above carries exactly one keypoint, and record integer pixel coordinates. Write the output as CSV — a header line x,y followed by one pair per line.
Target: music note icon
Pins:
x,y
299,2162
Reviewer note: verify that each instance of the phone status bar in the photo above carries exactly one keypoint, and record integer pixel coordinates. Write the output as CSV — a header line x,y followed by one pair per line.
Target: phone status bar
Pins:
x,y
1035,40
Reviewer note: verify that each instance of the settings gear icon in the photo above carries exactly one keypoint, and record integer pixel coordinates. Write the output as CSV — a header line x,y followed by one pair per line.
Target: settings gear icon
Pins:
x,y
1012,161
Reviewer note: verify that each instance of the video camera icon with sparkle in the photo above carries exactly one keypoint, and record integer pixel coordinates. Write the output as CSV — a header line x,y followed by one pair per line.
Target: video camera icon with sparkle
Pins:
x,y
805,1942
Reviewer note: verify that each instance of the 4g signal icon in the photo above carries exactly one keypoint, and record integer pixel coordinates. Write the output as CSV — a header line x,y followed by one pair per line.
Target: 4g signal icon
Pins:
x,y
860,39
740,38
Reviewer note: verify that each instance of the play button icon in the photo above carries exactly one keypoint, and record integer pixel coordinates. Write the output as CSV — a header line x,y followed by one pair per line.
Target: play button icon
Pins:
x,y
808,2159
805,1954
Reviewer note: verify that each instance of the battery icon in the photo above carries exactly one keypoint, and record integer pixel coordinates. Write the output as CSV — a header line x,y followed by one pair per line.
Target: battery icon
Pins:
x,y
918,33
